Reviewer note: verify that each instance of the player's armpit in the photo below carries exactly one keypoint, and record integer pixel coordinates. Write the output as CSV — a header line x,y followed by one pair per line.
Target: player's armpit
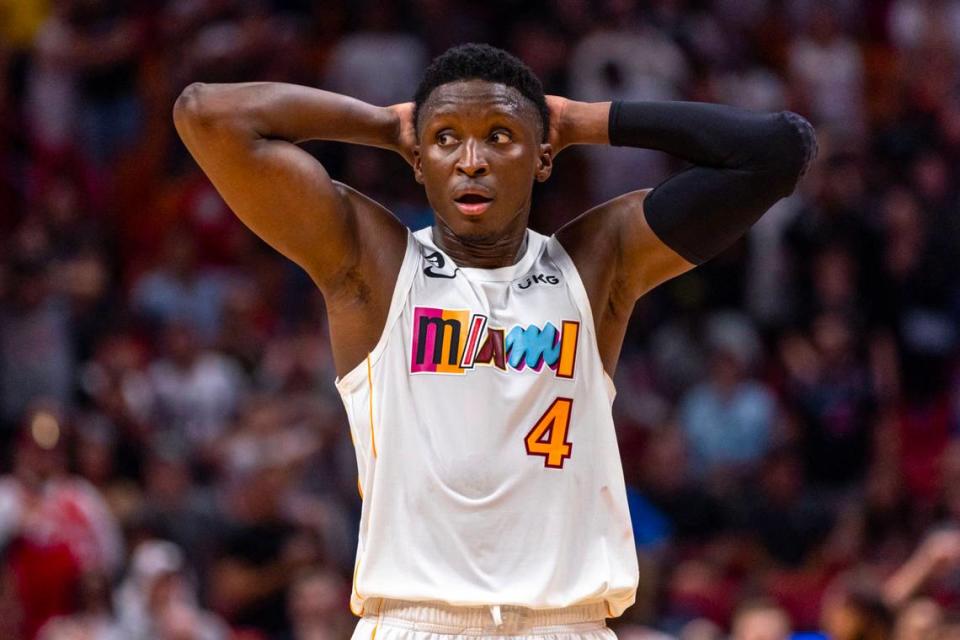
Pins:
x,y
618,256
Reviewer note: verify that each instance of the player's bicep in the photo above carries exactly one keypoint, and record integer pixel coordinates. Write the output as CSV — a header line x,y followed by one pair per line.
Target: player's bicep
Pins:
x,y
281,193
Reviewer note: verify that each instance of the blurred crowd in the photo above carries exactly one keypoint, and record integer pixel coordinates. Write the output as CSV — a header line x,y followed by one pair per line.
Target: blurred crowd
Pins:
x,y
176,463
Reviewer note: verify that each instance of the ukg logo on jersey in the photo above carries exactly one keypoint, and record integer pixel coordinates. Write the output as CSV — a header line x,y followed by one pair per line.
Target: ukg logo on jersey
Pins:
x,y
455,341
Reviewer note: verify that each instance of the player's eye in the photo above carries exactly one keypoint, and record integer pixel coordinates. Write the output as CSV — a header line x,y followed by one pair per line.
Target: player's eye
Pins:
x,y
445,138
500,137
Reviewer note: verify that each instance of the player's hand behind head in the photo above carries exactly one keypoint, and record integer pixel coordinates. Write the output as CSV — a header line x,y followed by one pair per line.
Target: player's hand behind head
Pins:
x,y
406,131
556,137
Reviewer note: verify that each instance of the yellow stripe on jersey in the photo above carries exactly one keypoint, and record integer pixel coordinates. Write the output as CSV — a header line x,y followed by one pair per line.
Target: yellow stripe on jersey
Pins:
x,y
356,568
359,614
373,440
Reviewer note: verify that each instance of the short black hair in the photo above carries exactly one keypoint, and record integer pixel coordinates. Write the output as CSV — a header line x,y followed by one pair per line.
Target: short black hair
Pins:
x,y
475,61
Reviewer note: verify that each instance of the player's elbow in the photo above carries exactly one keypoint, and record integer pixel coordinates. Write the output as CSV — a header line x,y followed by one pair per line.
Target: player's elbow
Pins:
x,y
204,109
793,148
190,110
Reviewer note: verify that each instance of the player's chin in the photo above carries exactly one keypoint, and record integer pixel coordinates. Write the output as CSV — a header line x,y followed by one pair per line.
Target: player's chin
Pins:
x,y
472,228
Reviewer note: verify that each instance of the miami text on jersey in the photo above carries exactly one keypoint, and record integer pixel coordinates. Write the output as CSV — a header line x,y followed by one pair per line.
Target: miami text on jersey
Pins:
x,y
454,340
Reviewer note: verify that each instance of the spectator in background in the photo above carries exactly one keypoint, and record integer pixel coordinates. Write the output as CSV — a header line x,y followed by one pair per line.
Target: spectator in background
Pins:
x,y
780,512
917,272
768,301
827,69
115,388
218,241
912,23
918,619
94,454
195,391
889,523
85,282
624,59
729,419
106,40
760,620
913,314
837,219
55,526
94,619
177,290
51,88
828,390
157,600
359,68
36,353
174,507
267,537
855,612
936,558
316,607
244,334
692,514
298,361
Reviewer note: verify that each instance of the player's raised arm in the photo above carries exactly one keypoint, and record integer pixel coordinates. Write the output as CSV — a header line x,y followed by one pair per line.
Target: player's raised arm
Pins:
x,y
743,163
244,138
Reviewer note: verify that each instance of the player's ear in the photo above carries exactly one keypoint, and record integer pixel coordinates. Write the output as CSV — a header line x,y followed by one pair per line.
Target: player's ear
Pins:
x,y
544,162
417,170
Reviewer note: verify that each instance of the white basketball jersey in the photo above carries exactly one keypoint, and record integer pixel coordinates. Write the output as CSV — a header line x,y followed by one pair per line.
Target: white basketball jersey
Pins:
x,y
488,464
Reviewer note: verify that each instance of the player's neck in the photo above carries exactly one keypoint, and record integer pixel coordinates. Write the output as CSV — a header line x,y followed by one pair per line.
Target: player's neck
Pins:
x,y
482,252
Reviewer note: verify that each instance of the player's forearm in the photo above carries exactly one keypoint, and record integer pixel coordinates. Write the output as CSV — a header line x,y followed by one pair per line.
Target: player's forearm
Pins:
x,y
716,135
285,111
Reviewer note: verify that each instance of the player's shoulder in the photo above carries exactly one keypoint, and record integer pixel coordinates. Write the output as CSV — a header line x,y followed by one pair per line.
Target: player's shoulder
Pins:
x,y
595,235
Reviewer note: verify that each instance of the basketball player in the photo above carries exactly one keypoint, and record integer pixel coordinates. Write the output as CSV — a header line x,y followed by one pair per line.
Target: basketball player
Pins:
x,y
474,356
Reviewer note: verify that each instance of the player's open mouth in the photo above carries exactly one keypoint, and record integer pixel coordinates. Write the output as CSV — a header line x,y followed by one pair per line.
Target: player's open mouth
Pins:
x,y
472,204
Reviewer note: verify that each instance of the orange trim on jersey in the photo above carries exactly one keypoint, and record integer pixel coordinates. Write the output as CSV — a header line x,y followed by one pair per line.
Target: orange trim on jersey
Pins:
x,y
570,333
373,440
373,636
356,568
359,488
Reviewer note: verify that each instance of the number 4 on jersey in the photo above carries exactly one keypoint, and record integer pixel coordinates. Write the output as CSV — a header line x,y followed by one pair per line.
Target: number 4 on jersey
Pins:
x,y
548,438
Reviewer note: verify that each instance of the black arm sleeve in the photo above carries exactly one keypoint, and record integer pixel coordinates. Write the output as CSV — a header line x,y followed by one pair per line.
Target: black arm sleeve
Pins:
x,y
743,163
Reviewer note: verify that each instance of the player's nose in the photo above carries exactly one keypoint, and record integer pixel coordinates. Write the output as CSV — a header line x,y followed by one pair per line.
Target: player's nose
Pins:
x,y
472,161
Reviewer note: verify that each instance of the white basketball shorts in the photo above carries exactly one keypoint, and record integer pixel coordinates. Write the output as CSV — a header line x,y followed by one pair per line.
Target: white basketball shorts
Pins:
x,y
402,620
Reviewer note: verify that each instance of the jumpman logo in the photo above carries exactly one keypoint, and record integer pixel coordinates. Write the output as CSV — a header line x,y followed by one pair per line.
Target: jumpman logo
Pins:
x,y
436,267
